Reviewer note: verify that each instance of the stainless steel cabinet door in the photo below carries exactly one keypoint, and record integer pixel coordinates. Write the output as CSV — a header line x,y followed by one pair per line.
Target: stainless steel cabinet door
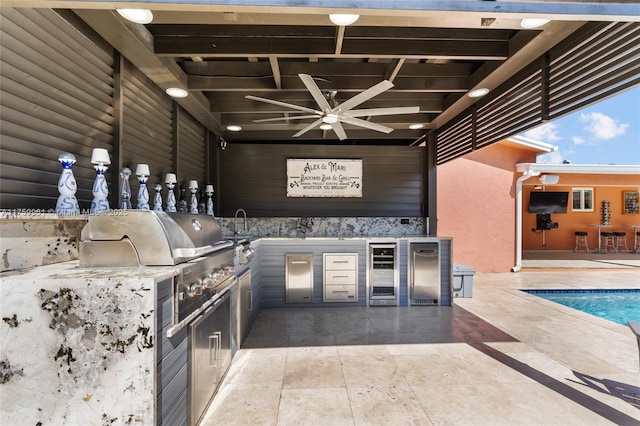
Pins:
x,y
299,277
245,305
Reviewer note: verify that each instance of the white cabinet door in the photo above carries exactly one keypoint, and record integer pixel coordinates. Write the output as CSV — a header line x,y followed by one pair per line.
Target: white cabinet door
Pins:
x,y
340,277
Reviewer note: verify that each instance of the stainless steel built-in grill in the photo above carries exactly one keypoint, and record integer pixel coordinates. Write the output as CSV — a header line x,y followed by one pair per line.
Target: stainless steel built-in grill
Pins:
x,y
192,242
204,270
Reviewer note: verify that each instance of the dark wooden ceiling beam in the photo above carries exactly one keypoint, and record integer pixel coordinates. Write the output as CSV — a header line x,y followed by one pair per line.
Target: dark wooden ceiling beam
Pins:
x,y
265,108
243,31
232,47
224,96
414,33
289,68
352,133
298,47
248,124
450,49
328,31
341,84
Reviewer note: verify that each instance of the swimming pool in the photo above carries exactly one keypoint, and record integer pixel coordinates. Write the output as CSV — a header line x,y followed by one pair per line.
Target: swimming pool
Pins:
x,y
619,306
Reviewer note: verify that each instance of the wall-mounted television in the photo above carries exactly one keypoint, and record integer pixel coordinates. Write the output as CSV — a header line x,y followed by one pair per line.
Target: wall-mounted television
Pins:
x,y
548,202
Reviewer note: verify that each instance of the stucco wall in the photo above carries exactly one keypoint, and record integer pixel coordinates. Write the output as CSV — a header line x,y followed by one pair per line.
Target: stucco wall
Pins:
x,y
608,188
476,206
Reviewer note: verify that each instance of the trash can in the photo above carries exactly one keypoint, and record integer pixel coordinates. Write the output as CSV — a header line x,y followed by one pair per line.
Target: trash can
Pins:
x,y
462,280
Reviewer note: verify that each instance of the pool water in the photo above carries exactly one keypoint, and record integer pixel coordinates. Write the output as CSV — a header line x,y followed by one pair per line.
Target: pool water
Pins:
x,y
620,306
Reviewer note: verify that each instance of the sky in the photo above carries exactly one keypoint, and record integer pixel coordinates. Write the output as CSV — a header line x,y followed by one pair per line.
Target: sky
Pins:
x,y
607,132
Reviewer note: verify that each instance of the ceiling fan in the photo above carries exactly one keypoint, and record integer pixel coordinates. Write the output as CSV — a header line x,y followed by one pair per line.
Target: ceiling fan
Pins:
x,y
335,114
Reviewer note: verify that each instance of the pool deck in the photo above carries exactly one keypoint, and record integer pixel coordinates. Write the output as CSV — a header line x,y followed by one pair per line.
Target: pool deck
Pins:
x,y
503,357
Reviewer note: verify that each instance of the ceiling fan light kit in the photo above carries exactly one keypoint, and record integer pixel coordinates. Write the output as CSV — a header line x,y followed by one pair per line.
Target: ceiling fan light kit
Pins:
x,y
335,114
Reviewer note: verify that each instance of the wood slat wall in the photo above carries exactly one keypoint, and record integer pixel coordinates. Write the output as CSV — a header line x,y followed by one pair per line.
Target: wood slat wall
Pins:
x,y
56,80
254,176
272,265
598,61
191,150
147,130
172,407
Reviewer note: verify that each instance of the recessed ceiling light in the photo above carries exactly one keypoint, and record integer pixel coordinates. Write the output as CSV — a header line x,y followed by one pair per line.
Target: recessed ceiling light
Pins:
x,y
343,18
330,118
234,128
176,92
326,126
416,126
533,22
478,93
139,16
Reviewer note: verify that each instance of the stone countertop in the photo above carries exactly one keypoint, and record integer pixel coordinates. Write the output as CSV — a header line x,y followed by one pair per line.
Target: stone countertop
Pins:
x,y
339,238
78,344
71,269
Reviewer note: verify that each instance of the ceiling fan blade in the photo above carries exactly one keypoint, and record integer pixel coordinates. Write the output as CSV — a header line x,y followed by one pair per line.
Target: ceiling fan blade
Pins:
x,y
366,124
293,117
309,127
365,96
381,111
313,88
337,127
283,104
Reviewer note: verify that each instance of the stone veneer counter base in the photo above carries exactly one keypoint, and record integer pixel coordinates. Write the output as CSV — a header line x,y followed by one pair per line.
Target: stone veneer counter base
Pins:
x,y
78,345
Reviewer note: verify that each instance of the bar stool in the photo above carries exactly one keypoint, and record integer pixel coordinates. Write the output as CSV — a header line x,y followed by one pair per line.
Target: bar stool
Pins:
x,y
636,242
620,238
581,240
607,240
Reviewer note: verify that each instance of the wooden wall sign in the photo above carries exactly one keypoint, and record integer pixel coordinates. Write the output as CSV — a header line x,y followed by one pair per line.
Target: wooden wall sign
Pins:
x,y
324,178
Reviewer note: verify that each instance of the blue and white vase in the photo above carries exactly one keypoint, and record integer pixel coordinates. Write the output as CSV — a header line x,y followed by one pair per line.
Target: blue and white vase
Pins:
x,y
157,199
193,204
67,204
209,192
142,171
170,179
100,191
100,158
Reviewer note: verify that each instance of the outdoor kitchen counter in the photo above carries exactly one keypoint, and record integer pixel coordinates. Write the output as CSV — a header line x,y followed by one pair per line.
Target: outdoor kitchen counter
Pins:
x,y
78,344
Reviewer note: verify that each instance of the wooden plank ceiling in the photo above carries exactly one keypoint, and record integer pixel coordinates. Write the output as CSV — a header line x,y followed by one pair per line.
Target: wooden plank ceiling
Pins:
x,y
222,53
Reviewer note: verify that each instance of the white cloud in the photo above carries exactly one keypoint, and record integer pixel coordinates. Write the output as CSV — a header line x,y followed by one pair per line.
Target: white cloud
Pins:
x,y
578,140
554,157
602,126
548,132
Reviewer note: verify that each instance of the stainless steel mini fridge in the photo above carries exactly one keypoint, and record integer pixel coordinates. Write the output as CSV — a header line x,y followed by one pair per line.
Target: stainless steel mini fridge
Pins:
x,y
424,273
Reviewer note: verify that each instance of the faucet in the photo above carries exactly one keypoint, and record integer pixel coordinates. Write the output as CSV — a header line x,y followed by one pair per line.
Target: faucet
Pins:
x,y
235,221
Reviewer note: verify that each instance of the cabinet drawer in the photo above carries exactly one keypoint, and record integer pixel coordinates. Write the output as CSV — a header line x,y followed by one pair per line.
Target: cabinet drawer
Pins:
x,y
340,277
340,262
340,292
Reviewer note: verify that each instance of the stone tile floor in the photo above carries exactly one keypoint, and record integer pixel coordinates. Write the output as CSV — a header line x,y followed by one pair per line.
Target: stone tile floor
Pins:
x,y
503,357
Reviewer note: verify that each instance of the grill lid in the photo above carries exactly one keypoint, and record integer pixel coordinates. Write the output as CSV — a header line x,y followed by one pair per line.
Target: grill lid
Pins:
x,y
148,238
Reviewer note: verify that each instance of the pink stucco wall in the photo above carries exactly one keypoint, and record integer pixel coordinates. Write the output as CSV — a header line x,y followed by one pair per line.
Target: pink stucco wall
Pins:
x,y
476,206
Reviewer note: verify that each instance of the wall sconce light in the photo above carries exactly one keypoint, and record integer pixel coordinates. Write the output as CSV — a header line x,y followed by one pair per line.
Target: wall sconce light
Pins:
x,y
223,144
549,179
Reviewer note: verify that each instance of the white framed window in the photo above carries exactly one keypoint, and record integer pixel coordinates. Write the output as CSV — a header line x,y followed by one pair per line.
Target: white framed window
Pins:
x,y
582,199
